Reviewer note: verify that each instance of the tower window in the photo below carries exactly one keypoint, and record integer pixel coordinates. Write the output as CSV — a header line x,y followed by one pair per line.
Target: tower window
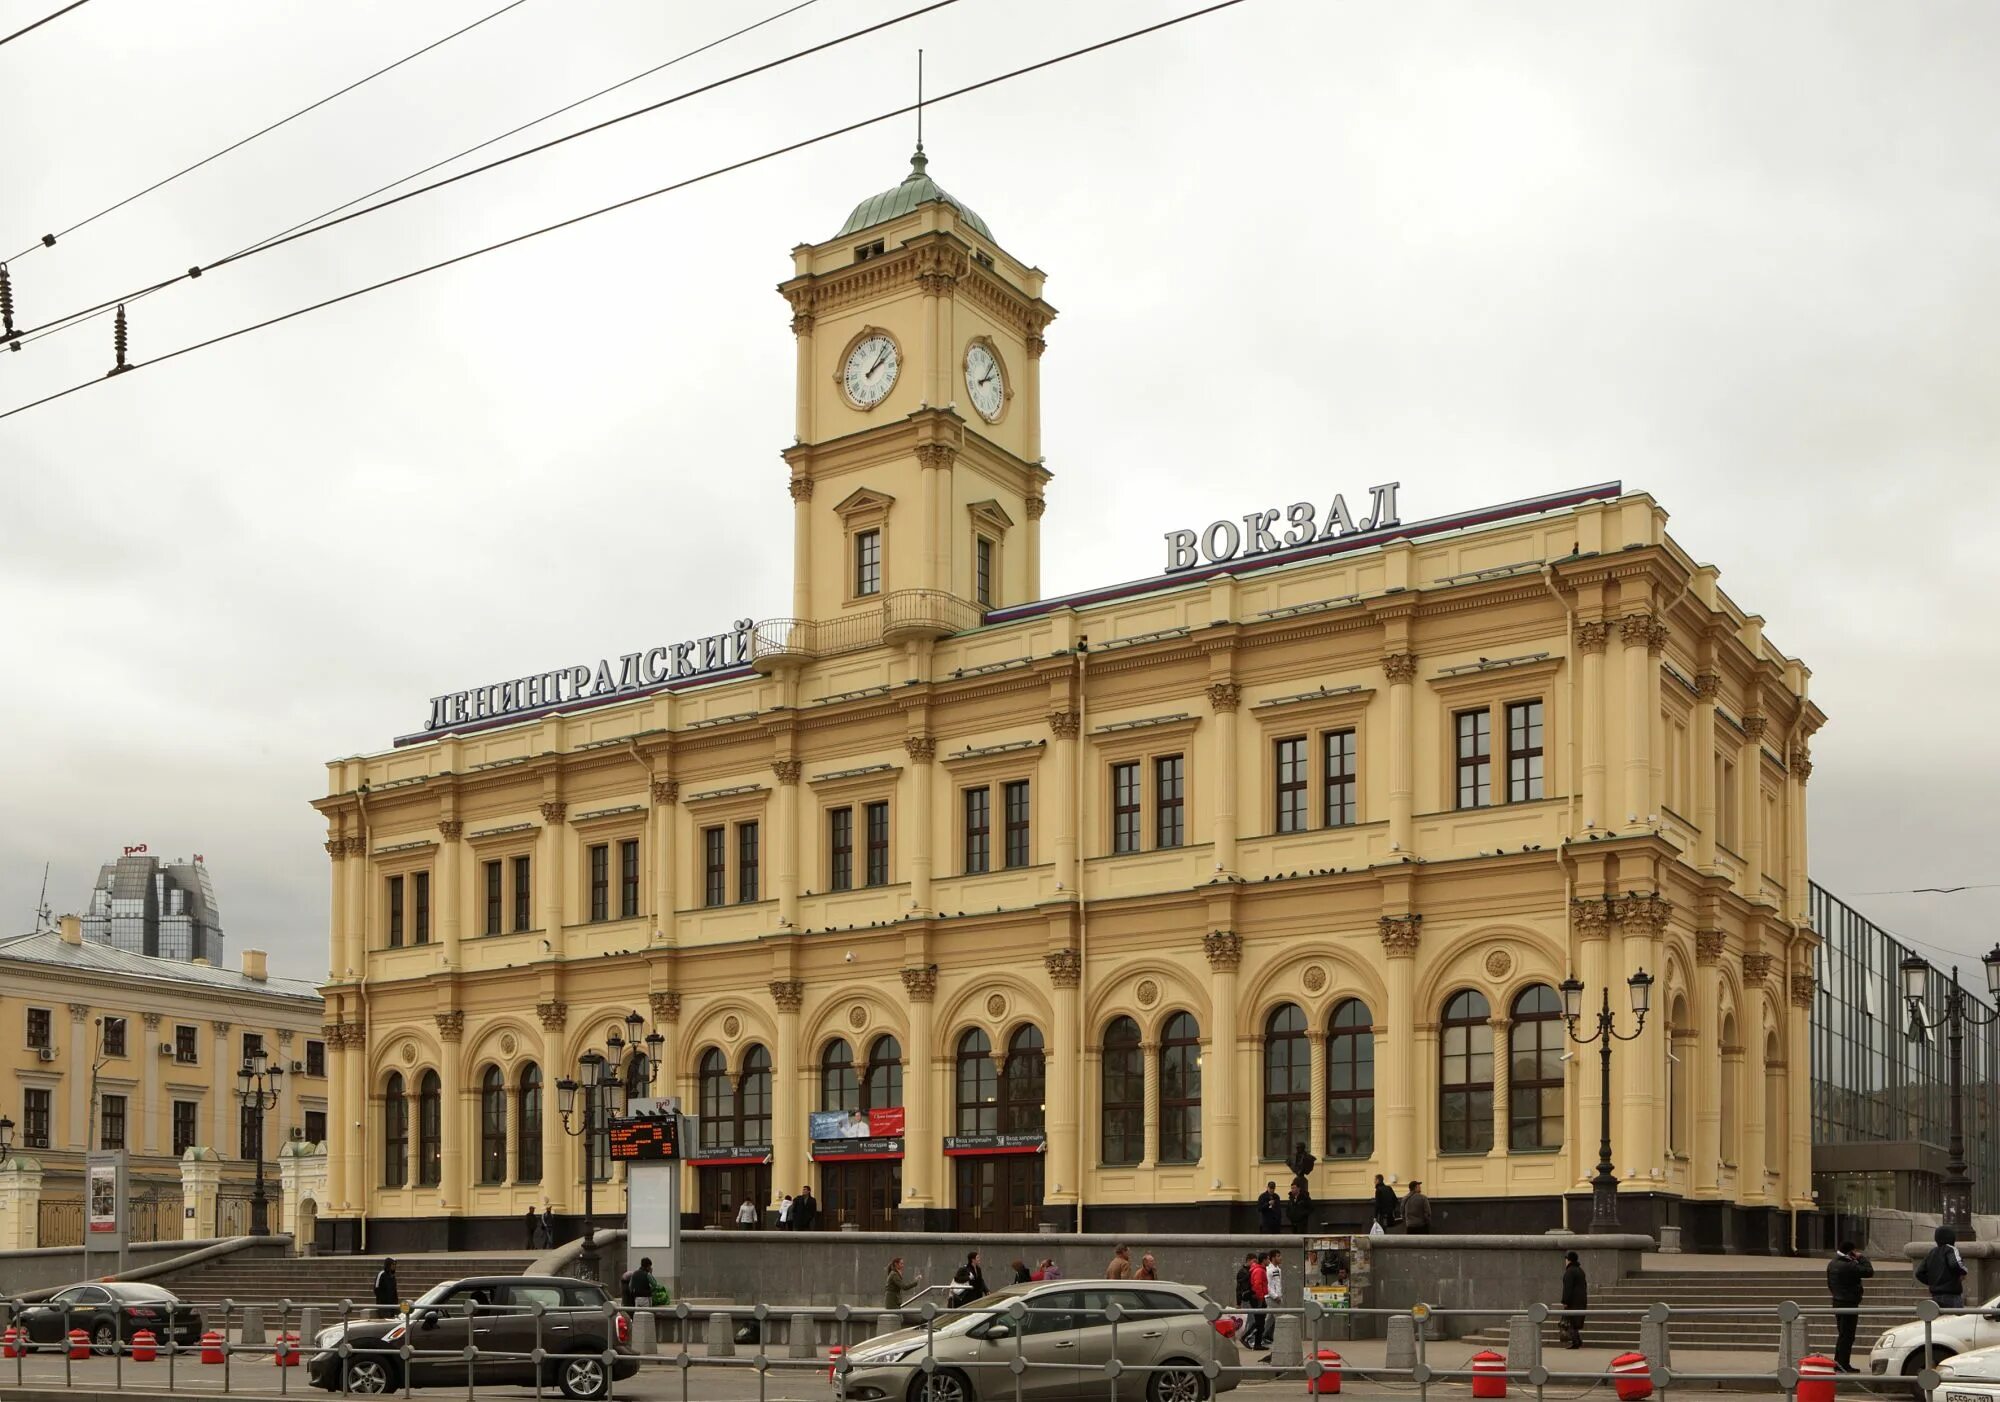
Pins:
x,y
868,250
983,552
984,260
868,563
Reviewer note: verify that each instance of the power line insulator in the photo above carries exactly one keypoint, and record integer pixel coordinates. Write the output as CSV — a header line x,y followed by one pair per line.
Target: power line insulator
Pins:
x,y
195,271
7,331
48,240
118,344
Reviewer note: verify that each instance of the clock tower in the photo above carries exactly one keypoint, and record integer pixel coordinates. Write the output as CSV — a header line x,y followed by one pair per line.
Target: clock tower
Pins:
x,y
916,470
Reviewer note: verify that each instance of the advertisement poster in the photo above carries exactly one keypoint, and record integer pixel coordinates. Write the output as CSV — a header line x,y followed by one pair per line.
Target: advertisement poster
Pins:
x,y
103,1197
826,1126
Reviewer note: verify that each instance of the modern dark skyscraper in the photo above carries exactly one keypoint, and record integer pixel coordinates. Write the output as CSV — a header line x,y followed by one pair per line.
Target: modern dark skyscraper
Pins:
x,y
148,906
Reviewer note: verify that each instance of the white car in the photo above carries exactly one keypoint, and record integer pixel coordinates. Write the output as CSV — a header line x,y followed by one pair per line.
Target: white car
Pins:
x,y
1899,1352
1969,1377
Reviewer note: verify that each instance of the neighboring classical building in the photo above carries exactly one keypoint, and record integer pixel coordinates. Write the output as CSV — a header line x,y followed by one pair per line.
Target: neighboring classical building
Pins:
x,y
106,1049
146,906
1106,900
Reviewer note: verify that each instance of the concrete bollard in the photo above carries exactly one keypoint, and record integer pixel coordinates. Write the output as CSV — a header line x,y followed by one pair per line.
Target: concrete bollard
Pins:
x,y
1654,1343
309,1325
721,1336
1524,1343
1402,1343
887,1323
253,1325
799,1337
1792,1345
1286,1349
645,1333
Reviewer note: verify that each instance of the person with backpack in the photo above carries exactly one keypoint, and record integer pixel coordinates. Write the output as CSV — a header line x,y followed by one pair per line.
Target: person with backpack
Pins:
x,y
968,1283
1246,1298
1942,1271
639,1284
1385,1204
1260,1330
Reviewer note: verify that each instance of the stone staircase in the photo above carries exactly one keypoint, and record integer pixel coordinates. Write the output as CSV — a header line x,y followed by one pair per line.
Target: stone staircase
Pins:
x,y
326,1280
1752,1298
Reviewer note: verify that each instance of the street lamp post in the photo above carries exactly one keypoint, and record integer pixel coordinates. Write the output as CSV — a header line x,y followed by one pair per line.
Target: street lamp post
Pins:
x,y
1604,1184
6,1141
1959,1009
606,1079
257,1087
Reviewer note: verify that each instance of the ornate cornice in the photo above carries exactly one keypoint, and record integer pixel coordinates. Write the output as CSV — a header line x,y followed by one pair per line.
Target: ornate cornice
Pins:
x,y
450,1026
1802,990
788,993
1065,967
666,1006
1064,724
666,791
922,749
1224,696
554,812
801,488
1224,949
554,1015
1647,912
450,829
1756,967
788,770
920,982
1591,636
1707,946
1707,686
1590,919
1401,935
1400,666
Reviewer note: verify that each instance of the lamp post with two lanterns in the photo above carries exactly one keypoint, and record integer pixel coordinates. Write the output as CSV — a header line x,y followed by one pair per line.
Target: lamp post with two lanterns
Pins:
x,y
257,1087
1604,1184
607,1079
1959,1009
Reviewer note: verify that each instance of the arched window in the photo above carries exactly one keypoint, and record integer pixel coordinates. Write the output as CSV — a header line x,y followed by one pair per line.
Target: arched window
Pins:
x,y
839,1086
1534,1071
978,1085
1774,1104
395,1133
1180,1090
493,1126
1725,1103
718,1105
528,1151
430,1131
1465,1075
753,1098
1350,1081
883,1089
1287,1083
1022,1082
1123,1091
1680,1040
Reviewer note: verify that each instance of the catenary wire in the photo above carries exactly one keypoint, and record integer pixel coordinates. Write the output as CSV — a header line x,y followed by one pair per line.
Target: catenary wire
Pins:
x,y
707,175
43,20
80,319
47,240
201,268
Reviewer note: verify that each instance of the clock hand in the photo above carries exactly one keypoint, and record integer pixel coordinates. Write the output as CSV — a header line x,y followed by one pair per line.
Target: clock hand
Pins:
x,y
878,362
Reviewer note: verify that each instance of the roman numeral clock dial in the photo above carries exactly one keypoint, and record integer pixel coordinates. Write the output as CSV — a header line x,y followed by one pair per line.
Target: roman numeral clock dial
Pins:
x,y
870,372
985,382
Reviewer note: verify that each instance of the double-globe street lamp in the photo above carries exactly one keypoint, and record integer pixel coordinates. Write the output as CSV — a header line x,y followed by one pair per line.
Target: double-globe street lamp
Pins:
x,y
257,1087
1959,1009
1604,1184
607,1079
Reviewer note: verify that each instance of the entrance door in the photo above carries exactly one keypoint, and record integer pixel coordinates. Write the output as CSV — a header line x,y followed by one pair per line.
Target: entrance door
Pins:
x,y
999,1192
864,1192
725,1187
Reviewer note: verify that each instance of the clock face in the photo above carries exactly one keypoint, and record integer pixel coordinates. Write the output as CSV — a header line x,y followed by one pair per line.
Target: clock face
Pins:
x,y
870,372
985,382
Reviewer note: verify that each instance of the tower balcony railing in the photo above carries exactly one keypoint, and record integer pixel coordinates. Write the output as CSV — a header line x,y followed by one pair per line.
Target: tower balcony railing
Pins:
x,y
903,615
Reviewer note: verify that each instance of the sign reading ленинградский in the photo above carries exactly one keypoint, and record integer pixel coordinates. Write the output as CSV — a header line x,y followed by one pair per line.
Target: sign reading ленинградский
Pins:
x,y
1259,534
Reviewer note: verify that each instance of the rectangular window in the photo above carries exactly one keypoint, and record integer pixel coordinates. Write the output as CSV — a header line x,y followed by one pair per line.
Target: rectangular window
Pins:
x,y
868,563
599,857
746,863
1290,759
840,849
185,1114
523,916
114,1036
1016,797
421,917
38,1028
495,894
186,1050
315,1057
111,1122
628,879
34,1119
714,866
249,1133
878,844
253,1045
1725,803
1524,751
315,1126
395,912
983,553
1125,807
1169,801
978,831
1475,758
1340,779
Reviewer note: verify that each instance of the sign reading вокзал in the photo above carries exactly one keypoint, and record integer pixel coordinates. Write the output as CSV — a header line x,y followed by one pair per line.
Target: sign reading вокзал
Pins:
x,y
1223,540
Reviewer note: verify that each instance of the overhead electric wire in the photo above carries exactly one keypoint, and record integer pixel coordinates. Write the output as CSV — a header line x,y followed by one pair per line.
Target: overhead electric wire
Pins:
x,y
200,268
707,175
79,319
43,20
48,240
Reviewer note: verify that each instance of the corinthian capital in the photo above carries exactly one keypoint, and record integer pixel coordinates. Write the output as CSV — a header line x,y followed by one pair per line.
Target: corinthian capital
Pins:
x,y
666,790
1590,919
1592,635
920,983
1400,666
1224,949
1065,967
450,1026
553,813
1401,935
1224,696
787,770
450,829
554,1015
788,993
1646,913
801,488
922,749
666,1006
1064,724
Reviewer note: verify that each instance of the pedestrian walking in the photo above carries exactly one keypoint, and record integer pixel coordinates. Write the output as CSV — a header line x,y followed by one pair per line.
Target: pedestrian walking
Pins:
x,y
1844,1274
1268,1207
1149,1269
1260,1291
1575,1300
1121,1264
546,1233
894,1286
386,1292
968,1282
1274,1291
785,1213
1022,1275
747,1214
1416,1211
1942,1271
532,1226
1385,1204
1246,1298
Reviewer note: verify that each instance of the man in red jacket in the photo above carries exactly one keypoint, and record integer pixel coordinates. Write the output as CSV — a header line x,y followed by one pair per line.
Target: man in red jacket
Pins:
x,y
1260,1291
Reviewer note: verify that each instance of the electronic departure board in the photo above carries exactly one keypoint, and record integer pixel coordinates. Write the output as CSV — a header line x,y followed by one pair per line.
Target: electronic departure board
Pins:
x,y
650,1139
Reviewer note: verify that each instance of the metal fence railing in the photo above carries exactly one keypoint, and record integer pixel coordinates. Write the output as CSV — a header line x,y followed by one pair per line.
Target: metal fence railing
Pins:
x,y
610,1350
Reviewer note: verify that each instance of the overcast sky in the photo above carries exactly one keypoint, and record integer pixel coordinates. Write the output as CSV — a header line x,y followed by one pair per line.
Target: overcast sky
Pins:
x,y
1739,256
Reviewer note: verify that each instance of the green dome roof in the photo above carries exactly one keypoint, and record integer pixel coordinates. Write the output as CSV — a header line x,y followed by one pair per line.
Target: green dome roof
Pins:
x,y
917,188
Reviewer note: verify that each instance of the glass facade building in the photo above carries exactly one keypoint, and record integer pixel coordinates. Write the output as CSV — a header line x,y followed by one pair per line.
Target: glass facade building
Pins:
x,y
1880,1100
146,906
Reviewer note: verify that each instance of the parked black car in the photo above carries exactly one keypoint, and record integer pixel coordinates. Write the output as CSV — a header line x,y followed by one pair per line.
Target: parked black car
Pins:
x,y
497,1316
110,1313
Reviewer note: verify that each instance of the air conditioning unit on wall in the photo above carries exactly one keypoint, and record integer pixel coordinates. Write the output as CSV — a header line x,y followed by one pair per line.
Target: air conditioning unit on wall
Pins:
x,y
45,1053
166,1049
